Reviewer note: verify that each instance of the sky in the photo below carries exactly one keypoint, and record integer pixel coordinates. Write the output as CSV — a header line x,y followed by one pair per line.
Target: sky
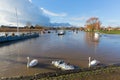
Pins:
x,y
75,12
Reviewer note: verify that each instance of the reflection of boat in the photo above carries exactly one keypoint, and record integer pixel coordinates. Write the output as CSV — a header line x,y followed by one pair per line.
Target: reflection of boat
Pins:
x,y
61,33
62,65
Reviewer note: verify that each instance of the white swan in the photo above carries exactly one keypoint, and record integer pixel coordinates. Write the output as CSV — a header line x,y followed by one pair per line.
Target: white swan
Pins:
x,y
65,66
93,62
32,63
96,35
57,63
62,65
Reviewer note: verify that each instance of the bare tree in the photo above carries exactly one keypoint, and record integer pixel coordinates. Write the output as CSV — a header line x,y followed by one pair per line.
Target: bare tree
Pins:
x,y
28,24
93,24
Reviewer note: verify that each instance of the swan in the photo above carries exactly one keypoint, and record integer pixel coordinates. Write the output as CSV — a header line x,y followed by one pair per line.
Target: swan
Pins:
x,y
96,35
57,63
93,62
32,63
65,66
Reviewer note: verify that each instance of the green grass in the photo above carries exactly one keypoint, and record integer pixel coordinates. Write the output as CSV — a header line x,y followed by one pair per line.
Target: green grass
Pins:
x,y
111,72
111,32
101,74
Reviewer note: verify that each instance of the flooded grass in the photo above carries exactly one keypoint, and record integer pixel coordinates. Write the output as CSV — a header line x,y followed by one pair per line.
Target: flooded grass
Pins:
x,y
111,32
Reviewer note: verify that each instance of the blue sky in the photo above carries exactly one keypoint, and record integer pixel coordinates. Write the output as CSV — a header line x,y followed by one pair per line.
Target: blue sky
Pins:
x,y
44,12
77,12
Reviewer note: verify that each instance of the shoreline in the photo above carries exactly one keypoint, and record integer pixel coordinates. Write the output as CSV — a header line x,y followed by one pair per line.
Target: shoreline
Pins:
x,y
21,30
110,32
52,75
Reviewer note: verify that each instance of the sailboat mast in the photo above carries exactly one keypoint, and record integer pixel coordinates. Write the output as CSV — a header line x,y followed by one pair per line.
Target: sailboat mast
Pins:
x,y
17,21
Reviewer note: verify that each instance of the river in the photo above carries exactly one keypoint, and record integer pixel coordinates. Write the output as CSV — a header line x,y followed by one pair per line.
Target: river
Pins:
x,y
73,48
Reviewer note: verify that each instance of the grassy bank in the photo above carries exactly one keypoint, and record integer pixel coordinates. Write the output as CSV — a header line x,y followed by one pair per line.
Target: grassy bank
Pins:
x,y
100,73
111,32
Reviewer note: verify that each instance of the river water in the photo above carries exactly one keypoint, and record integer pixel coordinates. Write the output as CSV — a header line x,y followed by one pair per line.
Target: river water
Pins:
x,y
73,48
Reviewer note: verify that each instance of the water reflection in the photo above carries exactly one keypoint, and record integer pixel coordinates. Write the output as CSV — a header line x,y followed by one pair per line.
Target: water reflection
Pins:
x,y
61,36
91,40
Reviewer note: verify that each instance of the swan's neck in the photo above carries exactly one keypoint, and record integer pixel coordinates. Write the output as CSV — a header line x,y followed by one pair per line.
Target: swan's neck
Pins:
x,y
28,62
89,61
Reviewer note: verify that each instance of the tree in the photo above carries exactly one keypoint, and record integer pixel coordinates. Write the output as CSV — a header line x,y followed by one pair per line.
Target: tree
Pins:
x,y
28,24
38,27
93,24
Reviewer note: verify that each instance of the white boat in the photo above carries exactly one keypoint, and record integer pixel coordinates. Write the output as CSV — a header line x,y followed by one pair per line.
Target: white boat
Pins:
x,y
61,32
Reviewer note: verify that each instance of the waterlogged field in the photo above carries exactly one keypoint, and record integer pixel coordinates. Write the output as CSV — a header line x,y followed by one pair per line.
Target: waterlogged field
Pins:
x,y
73,48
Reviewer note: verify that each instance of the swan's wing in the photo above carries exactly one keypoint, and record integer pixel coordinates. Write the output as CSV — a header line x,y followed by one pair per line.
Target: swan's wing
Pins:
x,y
33,63
94,62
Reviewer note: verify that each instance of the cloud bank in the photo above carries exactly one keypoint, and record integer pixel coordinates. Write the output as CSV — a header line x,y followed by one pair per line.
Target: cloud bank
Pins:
x,y
27,12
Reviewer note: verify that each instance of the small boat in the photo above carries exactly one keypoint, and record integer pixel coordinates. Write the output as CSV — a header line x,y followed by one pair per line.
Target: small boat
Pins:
x,y
61,33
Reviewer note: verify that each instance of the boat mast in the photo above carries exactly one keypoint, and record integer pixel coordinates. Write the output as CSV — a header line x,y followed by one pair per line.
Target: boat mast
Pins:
x,y
17,21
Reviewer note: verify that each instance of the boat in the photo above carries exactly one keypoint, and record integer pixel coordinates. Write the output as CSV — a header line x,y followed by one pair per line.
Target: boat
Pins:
x,y
18,37
61,32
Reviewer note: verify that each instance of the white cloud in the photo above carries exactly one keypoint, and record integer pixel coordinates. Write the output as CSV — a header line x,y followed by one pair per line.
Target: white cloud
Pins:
x,y
27,12
30,1
49,13
79,18
113,21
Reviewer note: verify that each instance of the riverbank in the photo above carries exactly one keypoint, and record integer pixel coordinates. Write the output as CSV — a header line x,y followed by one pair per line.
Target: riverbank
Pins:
x,y
111,32
95,73
101,74
20,29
